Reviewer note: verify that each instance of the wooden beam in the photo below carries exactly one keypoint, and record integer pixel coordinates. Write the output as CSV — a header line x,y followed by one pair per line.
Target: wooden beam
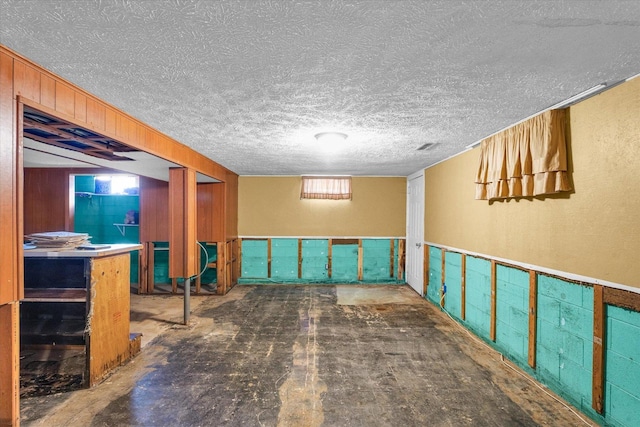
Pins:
x,y
299,258
463,287
391,257
401,255
151,267
182,223
492,332
533,316
329,256
597,383
621,298
221,261
269,257
443,253
239,256
360,260
425,283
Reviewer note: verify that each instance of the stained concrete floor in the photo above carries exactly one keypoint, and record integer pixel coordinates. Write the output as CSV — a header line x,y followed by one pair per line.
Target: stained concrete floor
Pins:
x,y
341,355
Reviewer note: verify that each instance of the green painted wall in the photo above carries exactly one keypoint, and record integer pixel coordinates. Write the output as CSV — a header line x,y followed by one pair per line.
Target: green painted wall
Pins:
x,y
315,256
254,259
96,214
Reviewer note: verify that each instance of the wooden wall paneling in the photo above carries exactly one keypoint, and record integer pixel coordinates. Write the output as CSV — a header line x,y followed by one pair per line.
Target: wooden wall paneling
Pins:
x,y
65,99
96,115
425,273
492,332
80,112
110,119
463,287
221,275
204,195
154,210
442,276
182,223
26,81
533,317
230,208
217,214
597,392
10,365
47,91
46,200
360,260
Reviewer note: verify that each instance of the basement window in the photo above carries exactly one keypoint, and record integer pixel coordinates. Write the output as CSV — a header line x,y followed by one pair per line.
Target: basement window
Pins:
x,y
326,187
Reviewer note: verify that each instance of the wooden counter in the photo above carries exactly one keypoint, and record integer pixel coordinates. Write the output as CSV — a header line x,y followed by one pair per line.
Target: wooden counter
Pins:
x,y
80,298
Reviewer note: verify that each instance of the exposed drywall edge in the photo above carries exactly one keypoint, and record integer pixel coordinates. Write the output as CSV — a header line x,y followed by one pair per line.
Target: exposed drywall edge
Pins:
x,y
571,276
320,237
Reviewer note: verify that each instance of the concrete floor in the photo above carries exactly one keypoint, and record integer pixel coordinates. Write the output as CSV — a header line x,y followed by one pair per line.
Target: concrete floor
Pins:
x,y
272,355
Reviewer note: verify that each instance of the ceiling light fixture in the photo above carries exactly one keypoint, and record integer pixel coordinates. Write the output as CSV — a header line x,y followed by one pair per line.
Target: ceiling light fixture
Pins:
x,y
331,137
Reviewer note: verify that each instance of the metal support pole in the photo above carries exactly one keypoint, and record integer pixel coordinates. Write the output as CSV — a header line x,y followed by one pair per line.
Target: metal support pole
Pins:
x,y
187,295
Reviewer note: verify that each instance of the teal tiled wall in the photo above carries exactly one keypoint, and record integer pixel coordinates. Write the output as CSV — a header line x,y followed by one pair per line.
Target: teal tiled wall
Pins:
x,y
453,283
512,318
565,338
622,367
96,214
315,257
344,262
435,275
376,259
284,259
254,259
478,295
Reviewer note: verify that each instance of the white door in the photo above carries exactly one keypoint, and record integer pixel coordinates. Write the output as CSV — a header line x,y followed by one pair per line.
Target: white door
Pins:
x,y
415,232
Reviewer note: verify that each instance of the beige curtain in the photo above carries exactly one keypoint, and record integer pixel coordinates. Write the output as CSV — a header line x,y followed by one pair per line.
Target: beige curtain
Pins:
x,y
527,159
326,187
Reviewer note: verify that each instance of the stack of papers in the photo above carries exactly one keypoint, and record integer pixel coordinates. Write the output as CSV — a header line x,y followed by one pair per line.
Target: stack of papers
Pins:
x,y
58,239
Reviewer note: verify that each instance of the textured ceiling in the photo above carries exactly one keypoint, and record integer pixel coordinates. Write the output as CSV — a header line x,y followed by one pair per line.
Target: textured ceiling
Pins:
x,y
248,83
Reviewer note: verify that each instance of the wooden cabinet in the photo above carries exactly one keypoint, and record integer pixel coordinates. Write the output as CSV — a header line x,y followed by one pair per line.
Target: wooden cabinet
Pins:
x,y
80,298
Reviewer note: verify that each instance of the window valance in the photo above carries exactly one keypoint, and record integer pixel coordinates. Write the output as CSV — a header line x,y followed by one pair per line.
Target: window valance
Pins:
x,y
528,159
326,187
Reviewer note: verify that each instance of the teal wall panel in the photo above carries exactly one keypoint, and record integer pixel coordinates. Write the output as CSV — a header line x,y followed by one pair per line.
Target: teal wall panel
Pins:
x,y
376,259
478,296
344,263
512,318
96,215
564,338
315,259
453,283
622,383
254,259
284,259
435,275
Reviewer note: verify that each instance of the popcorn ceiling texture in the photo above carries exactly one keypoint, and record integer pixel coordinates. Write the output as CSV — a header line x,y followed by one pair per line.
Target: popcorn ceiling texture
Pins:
x,y
248,83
